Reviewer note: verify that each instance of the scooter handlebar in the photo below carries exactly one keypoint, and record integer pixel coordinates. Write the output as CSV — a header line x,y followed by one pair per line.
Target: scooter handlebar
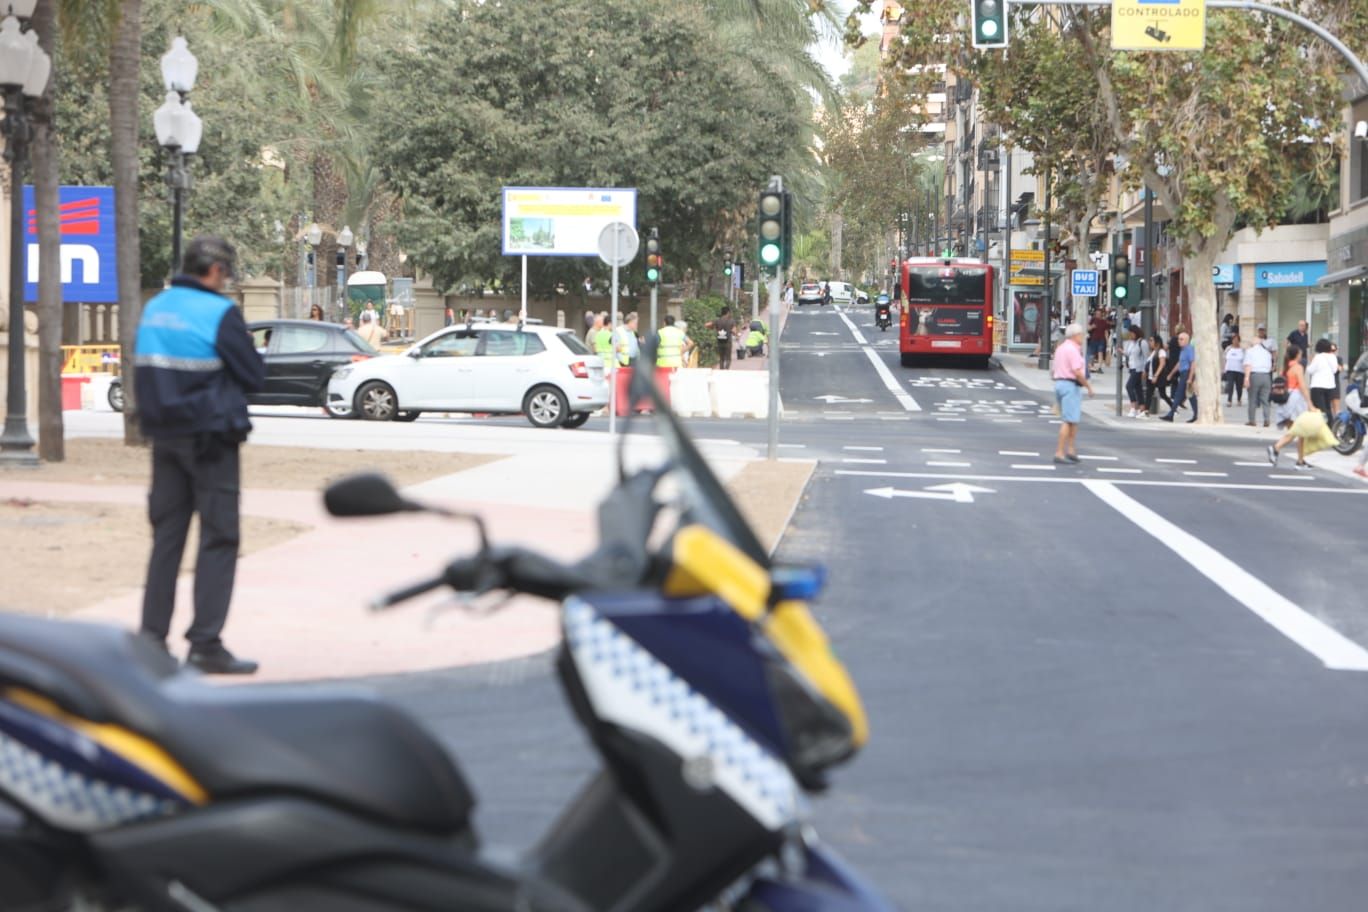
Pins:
x,y
514,569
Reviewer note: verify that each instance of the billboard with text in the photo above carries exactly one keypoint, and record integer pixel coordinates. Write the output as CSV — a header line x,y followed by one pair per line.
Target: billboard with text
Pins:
x,y
87,255
562,221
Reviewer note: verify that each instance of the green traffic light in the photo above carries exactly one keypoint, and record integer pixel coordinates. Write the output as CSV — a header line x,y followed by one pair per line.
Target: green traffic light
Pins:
x,y
726,270
1120,291
653,275
770,254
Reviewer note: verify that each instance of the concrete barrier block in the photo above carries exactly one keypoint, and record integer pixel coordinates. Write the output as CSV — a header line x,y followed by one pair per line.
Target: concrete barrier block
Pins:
x,y
740,394
690,395
95,394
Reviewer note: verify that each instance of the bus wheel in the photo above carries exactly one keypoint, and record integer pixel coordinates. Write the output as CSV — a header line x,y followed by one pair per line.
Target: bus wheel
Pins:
x,y
906,359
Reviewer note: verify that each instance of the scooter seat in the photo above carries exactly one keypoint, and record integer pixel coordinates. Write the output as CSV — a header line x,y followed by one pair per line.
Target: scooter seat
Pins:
x,y
340,745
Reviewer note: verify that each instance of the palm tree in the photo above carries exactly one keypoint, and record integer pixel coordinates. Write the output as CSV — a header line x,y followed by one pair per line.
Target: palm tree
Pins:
x,y
125,55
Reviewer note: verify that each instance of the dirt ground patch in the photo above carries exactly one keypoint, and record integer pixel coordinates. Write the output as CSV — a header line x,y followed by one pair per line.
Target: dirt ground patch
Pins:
x,y
75,554
767,492
107,461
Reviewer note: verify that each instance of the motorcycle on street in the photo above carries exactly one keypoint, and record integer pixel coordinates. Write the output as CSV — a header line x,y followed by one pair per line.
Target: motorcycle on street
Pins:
x,y
883,313
706,687
1351,423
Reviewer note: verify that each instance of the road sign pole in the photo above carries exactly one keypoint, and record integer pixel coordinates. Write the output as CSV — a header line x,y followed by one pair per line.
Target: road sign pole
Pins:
x,y
522,315
772,450
610,368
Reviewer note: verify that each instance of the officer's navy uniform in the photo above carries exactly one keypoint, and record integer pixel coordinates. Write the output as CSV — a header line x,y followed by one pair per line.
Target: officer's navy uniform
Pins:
x,y
195,366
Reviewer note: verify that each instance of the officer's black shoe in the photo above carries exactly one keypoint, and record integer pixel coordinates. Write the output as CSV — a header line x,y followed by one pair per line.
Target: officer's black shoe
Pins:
x,y
216,659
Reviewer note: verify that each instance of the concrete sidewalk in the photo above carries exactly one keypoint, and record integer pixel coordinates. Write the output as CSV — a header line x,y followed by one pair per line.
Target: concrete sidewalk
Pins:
x,y
1102,409
300,607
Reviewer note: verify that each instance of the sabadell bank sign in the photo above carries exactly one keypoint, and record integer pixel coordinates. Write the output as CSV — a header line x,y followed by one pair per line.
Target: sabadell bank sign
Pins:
x,y
1288,275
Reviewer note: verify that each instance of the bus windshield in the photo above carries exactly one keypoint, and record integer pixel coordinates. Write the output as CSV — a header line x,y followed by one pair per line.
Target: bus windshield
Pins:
x,y
947,285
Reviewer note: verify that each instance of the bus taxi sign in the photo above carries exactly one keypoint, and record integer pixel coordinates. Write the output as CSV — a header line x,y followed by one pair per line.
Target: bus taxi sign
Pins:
x,y
1085,282
1158,25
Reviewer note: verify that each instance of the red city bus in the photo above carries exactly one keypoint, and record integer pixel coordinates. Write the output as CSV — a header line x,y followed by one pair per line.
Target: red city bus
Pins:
x,y
947,309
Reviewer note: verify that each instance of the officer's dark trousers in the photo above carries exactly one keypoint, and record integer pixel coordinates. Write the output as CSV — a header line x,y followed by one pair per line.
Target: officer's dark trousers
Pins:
x,y
191,477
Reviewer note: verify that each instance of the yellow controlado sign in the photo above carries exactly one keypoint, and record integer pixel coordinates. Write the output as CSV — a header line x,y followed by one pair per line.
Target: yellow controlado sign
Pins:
x,y
1158,25
1021,259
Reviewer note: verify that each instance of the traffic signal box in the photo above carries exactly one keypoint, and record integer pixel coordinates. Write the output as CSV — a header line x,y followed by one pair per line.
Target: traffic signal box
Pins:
x,y
653,260
774,228
1120,278
989,23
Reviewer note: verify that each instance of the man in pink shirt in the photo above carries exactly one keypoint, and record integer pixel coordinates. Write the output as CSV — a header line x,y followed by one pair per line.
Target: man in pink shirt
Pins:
x,y
1070,379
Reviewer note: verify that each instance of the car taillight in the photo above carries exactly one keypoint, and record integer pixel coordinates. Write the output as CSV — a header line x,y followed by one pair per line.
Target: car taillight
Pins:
x,y
902,319
580,369
356,358
990,321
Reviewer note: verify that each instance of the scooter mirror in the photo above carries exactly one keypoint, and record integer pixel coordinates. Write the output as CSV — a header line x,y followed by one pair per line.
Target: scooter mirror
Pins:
x,y
369,494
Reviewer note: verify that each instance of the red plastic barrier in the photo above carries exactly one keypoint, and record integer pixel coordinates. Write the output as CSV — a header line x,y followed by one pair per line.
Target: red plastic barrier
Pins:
x,y
624,381
71,392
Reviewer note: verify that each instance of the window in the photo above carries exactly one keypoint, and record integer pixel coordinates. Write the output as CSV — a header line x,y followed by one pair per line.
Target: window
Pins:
x,y
572,342
300,340
459,344
500,343
357,343
261,339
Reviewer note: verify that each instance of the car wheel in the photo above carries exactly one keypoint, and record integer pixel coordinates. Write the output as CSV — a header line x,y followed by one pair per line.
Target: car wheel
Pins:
x,y
406,416
545,407
576,420
339,411
376,402
116,396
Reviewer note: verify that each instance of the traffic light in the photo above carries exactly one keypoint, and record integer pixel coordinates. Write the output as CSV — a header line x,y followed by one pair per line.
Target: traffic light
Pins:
x,y
990,23
1120,277
774,226
653,262
727,263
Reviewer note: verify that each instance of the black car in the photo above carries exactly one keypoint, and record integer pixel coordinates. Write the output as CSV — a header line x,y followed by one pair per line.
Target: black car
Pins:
x,y
300,357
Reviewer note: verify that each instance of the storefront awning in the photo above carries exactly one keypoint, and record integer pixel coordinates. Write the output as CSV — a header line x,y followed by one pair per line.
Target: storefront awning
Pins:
x,y
1344,275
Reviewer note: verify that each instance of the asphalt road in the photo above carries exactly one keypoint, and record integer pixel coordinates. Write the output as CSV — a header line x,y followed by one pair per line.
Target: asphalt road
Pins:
x,y
1137,683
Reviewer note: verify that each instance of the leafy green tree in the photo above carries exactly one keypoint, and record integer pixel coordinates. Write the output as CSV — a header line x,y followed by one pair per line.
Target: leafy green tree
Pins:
x,y
586,93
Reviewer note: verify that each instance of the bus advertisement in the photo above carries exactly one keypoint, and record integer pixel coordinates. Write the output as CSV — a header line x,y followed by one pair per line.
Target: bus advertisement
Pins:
x,y
947,309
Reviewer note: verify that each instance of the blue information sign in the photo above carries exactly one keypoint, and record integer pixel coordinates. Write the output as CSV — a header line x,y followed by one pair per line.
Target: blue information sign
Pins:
x,y
1085,282
87,260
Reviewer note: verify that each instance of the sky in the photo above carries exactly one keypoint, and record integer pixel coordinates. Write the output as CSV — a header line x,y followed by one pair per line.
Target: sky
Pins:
x,y
831,52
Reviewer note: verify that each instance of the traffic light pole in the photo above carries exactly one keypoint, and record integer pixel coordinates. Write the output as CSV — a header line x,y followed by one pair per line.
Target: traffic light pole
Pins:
x,y
1147,277
775,296
655,289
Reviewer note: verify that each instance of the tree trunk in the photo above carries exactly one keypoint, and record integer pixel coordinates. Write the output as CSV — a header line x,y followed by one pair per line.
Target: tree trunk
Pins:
x,y
1205,332
125,52
46,170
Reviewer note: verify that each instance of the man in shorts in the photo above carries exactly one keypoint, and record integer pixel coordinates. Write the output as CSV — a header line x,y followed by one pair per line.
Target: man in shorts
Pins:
x,y
1070,379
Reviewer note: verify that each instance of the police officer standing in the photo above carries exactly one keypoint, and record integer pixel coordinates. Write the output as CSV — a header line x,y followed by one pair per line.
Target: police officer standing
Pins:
x,y
195,365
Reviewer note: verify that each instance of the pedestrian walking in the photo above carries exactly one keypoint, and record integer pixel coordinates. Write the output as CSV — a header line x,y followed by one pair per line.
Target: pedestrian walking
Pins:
x,y
1294,372
1306,427
1136,353
788,296
195,365
724,329
626,344
1070,374
1322,377
1258,376
316,313
1181,375
1099,330
370,329
1228,331
1155,367
448,316
1234,370
1299,338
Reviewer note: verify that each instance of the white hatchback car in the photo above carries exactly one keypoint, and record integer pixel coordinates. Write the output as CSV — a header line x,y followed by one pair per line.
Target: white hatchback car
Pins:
x,y
543,372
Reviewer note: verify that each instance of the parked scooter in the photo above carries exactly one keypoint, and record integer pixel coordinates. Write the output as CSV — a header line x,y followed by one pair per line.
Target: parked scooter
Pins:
x,y
1351,423
883,313
701,679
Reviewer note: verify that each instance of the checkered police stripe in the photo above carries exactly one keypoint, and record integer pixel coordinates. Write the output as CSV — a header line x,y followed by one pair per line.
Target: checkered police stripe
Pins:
x,y
630,687
69,800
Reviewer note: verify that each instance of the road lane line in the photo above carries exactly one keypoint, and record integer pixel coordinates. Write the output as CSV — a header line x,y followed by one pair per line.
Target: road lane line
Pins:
x,y
864,449
1335,650
904,398
949,465
895,417
1018,453
1178,461
851,461
1138,482
1208,474
793,446
935,450
1113,471
838,417
1292,477
1257,465
1102,458
942,418
1038,468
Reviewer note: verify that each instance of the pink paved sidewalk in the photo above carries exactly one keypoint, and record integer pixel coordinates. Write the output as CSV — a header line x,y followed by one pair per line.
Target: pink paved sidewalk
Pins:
x,y
300,607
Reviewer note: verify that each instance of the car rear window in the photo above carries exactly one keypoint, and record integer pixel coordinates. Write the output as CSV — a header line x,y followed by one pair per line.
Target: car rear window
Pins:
x,y
572,342
296,340
502,343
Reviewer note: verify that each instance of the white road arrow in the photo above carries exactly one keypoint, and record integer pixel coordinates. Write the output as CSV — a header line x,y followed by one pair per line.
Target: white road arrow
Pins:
x,y
822,334
830,400
957,491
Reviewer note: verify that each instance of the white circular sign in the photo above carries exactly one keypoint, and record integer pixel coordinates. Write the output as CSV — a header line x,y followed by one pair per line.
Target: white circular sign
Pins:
x,y
617,243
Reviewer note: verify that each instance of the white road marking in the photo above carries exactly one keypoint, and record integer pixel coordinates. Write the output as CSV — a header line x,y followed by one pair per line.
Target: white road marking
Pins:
x,y
1138,482
864,449
1038,468
1293,477
1178,461
1017,453
1102,458
839,417
1257,465
793,446
1007,420
717,440
934,450
1208,474
941,418
1112,471
1335,650
949,465
895,417
854,461
904,398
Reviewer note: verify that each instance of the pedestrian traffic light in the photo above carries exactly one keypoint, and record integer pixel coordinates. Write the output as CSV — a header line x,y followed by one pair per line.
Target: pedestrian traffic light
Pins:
x,y
1120,277
773,226
653,257
990,23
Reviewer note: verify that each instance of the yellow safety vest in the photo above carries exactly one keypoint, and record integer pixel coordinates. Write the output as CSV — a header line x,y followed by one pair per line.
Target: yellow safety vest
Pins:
x,y
603,345
624,345
671,347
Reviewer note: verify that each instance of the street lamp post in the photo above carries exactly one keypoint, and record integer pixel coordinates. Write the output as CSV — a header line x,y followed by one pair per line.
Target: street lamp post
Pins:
x,y
344,240
24,70
178,132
